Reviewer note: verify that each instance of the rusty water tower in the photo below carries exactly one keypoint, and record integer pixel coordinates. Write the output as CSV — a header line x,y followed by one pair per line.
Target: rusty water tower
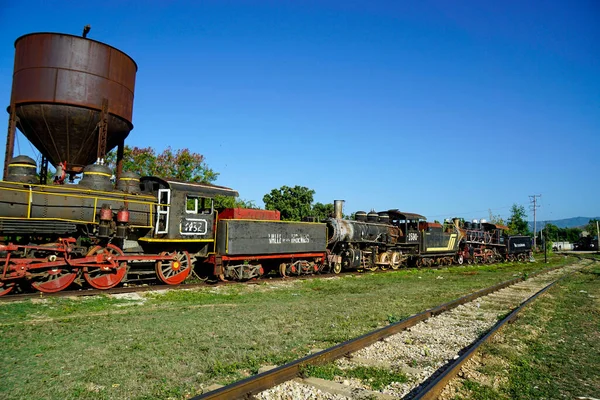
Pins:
x,y
72,98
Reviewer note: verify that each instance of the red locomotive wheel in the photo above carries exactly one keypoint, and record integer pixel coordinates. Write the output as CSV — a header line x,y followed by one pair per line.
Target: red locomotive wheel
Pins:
x,y
174,272
6,287
53,280
106,277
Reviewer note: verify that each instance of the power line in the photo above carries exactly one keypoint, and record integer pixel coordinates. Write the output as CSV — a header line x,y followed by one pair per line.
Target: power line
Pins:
x,y
468,212
534,207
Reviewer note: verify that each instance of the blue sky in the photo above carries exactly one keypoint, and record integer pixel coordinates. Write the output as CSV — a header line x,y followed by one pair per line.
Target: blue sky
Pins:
x,y
445,108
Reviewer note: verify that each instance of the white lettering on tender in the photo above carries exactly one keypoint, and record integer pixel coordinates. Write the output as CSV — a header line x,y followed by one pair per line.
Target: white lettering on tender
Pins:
x,y
277,238
274,238
298,238
519,244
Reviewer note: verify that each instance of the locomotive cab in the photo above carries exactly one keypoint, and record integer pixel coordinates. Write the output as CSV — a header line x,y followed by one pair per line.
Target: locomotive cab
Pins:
x,y
184,212
408,224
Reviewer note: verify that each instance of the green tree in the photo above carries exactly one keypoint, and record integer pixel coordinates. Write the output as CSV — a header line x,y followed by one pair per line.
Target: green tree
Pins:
x,y
591,227
571,234
182,165
517,223
294,203
322,211
551,232
495,219
222,202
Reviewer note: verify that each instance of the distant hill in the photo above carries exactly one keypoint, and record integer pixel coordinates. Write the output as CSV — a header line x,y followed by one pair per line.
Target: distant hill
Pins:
x,y
564,223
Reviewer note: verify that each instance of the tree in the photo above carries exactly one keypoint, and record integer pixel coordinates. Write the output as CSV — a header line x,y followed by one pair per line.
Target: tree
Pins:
x,y
591,227
571,234
182,165
517,225
322,211
551,232
222,202
293,203
495,219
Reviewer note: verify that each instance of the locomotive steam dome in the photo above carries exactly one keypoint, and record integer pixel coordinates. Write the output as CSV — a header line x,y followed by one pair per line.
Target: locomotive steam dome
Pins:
x,y
372,216
60,84
360,216
129,182
97,177
22,169
384,218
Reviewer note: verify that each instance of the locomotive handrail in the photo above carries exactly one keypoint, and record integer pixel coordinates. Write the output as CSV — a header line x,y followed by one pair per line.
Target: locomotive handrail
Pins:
x,y
76,188
31,191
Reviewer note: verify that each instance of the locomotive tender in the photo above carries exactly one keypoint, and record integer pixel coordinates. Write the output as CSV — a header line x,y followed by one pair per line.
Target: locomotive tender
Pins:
x,y
72,97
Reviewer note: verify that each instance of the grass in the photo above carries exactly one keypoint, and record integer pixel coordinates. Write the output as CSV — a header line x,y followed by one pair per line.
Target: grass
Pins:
x,y
551,352
175,344
375,378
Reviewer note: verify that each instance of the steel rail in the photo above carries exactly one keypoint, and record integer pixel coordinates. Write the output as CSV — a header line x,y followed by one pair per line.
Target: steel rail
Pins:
x,y
433,387
257,383
152,287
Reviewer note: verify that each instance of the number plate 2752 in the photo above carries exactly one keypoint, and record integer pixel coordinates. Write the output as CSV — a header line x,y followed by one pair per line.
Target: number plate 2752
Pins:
x,y
193,226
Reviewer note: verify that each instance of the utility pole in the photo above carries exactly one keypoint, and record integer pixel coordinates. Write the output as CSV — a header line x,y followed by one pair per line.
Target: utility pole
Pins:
x,y
534,207
598,235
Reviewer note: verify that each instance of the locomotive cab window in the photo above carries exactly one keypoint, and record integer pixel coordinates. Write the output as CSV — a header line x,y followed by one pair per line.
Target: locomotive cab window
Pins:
x,y
198,205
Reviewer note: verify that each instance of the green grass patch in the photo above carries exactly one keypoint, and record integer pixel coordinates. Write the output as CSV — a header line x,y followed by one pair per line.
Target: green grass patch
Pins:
x,y
175,344
375,378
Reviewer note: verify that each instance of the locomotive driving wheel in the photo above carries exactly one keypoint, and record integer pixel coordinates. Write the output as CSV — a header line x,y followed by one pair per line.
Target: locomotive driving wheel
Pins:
x,y
336,268
53,280
105,277
396,260
174,272
384,261
282,268
6,287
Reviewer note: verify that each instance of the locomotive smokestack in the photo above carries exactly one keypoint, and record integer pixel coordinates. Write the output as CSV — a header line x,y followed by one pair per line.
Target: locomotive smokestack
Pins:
x,y
338,206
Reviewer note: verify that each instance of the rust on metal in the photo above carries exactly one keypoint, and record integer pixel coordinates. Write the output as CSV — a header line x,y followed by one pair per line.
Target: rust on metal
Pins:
x,y
257,383
120,149
59,84
10,140
103,130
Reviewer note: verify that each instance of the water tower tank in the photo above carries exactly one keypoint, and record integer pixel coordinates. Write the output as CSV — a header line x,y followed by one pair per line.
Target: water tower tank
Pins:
x,y
60,84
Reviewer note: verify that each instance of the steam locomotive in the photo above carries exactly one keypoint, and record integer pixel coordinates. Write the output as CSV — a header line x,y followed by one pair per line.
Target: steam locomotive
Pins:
x,y
154,228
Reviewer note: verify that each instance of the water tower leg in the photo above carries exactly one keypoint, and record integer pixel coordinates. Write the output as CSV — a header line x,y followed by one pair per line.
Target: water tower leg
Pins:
x,y
44,171
103,130
120,159
10,138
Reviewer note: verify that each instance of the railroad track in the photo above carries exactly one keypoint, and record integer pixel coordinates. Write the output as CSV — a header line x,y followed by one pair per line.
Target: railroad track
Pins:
x,y
426,350
136,287
156,287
